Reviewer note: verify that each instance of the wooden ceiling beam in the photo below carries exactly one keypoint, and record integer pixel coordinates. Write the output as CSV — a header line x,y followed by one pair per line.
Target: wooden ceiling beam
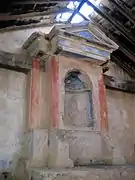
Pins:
x,y
122,10
40,2
56,10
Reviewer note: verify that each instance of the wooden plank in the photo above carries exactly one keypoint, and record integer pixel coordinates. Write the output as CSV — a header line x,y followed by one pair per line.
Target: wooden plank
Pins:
x,y
103,104
119,85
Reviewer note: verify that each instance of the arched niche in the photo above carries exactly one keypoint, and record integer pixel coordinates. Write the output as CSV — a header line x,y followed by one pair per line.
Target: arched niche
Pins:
x,y
78,99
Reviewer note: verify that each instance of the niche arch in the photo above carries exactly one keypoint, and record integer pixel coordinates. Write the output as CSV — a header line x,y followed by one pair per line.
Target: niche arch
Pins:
x,y
78,102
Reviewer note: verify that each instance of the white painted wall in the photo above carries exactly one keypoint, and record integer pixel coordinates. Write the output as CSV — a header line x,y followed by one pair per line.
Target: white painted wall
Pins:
x,y
12,41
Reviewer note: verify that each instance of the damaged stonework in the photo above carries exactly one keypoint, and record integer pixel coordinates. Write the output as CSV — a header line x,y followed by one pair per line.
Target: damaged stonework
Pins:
x,y
36,145
55,137
77,148
79,140
67,144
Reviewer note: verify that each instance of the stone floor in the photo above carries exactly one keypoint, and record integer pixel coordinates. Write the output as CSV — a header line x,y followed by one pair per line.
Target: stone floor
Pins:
x,y
84,173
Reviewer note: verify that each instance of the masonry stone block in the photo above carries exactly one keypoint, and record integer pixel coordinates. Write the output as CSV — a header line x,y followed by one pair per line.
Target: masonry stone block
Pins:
x,y
37,143
70,148
59,155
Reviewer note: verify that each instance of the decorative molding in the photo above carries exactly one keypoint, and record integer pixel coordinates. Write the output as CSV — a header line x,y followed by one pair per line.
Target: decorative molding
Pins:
x,y
69,41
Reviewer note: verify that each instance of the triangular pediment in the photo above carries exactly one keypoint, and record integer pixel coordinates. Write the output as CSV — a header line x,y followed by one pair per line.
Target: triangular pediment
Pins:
x,y
82,32
88,32
87,41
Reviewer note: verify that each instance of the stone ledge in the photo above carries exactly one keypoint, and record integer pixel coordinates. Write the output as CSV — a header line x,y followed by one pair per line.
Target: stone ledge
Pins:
x,y
85,173
84,129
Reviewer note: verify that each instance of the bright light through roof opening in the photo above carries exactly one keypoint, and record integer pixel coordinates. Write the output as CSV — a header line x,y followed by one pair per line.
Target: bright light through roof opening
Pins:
x,y
77,19
63,17
86,10
95,1
72,5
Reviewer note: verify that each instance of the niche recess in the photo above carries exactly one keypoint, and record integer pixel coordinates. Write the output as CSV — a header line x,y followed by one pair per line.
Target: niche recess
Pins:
x,y
78,100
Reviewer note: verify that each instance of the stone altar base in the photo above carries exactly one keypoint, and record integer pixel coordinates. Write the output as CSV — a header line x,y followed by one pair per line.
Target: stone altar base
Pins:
x,y
82,173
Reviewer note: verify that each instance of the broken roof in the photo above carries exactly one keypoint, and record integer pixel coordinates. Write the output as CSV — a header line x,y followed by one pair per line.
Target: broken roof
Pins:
x,y
114,17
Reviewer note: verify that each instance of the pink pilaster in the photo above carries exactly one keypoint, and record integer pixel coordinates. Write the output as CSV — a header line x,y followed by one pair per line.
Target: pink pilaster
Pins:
x,y
103,104
54,80
34,94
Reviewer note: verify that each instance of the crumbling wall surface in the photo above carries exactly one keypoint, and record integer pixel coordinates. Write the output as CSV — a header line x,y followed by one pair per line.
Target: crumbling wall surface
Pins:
x,y
12,123
121,118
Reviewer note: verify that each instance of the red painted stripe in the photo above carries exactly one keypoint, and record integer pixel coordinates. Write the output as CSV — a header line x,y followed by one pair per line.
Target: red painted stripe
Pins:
x,y
54,68
103,104
34,94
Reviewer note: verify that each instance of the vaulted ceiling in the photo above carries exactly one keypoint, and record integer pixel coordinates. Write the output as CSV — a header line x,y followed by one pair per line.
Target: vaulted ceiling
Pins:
x,y
114,17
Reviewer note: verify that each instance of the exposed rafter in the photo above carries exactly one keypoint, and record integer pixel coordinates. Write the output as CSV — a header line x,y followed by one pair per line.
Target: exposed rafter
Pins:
x,y
39,2
125,32
31,15
124,63
122,10
122,46
76,10
115,18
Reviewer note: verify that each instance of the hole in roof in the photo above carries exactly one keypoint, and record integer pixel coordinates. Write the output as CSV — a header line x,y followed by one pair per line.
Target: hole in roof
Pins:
x,y
73,5
95,1
63,17
77,19
86,10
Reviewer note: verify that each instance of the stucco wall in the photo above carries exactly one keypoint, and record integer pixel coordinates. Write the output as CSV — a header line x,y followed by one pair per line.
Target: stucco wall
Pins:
x,y
121,117
12,117
12,41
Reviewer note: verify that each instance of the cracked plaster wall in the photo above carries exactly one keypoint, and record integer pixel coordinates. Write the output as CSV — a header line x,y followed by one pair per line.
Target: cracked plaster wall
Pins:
x,y
12,116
